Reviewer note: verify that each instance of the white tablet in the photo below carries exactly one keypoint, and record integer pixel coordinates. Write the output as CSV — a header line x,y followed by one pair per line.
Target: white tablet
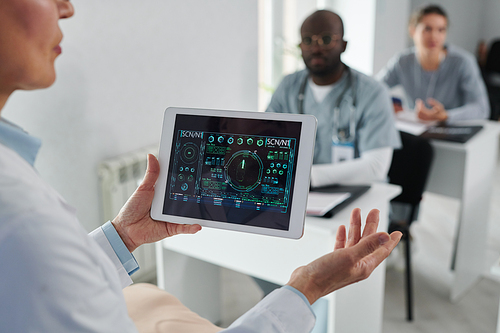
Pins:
x,y
235,170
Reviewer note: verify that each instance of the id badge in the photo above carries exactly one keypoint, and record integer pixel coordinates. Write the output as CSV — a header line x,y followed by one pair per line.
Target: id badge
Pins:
x,y
342,152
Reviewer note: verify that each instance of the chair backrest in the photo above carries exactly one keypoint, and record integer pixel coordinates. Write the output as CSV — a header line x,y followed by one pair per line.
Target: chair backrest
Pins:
x,y
410,168
493,58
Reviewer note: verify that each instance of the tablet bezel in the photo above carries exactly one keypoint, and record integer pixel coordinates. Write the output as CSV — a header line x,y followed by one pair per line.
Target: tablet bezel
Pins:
x,y
304,158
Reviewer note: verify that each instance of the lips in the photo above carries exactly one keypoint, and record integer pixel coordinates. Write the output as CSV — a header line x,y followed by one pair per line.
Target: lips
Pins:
x,y
317,61
57,49
432,44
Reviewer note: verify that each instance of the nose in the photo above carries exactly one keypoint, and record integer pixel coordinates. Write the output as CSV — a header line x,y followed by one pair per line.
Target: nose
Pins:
x,y
65,8
316,48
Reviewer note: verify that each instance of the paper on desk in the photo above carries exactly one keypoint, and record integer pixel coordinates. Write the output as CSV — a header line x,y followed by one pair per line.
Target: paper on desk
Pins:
x,y
319,203
407,121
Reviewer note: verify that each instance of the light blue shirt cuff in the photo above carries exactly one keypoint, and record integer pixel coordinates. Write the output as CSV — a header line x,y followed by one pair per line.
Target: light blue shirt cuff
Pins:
x,y
300,294
126,258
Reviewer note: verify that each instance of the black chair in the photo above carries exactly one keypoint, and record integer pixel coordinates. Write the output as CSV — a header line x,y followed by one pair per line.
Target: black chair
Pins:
x,y
410,169
491,75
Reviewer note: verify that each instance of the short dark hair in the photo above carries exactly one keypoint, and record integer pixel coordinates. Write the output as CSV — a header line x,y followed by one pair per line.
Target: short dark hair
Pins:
x,y
417,15
323,13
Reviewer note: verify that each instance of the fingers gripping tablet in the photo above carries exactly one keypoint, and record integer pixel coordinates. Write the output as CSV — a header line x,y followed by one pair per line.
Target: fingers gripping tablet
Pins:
x,y
243,171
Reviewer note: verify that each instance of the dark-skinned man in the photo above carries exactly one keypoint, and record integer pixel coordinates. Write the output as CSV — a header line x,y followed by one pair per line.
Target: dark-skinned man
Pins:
x,y
356,133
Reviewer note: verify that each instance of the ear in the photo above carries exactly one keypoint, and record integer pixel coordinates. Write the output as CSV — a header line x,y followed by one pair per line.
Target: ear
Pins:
x,y
411,30
344,46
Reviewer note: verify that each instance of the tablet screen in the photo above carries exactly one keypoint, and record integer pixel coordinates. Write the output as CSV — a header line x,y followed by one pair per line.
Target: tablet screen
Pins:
x,y
232,170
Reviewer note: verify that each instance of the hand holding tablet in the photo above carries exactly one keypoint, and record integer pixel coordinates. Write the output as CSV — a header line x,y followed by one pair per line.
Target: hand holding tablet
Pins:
x,y
243,171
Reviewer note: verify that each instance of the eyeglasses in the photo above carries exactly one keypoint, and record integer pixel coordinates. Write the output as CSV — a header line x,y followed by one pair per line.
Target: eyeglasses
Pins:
x,y
324,40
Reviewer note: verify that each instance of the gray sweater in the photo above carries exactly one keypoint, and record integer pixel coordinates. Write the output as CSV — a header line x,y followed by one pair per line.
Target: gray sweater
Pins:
x,y
457,83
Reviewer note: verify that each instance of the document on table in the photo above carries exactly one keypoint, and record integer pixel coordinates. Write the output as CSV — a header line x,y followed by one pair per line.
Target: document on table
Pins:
x,y
407,121
320,203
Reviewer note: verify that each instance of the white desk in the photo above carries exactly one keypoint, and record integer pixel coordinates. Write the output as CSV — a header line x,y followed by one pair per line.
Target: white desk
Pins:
x,y
495,270
196,282
466,171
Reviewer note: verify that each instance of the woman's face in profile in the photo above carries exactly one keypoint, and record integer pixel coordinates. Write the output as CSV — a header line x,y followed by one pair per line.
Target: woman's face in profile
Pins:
x,y
430,32
29,42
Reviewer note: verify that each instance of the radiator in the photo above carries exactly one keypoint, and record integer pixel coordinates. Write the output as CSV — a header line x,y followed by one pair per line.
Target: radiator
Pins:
x,y
119,177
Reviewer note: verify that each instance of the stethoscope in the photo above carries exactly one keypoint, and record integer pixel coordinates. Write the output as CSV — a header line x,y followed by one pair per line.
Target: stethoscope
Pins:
x,y
340,135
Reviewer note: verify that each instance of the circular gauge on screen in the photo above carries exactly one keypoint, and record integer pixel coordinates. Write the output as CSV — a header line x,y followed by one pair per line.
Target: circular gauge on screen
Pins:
x,y
189,153
243,171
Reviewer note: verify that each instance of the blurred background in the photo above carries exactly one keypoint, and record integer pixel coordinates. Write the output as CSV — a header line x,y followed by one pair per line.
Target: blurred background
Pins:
x,y
124,62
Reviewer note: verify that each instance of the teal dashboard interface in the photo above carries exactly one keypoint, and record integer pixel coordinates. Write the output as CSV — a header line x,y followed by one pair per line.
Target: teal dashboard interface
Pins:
x,y
232,170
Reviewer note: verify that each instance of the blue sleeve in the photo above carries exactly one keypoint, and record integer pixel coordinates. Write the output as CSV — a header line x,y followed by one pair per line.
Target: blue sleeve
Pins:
x,y
126,258
285,98
278,100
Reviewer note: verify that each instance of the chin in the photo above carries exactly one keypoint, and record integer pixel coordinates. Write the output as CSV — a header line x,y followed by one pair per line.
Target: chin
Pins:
x,y
317,70
50,82
38,85
45,81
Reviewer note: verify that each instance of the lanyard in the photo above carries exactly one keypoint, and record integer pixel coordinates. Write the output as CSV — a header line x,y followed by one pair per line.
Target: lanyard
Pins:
x,y
340,135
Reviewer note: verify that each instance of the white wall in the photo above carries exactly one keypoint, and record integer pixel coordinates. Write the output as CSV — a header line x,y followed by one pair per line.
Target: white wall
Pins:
x,y
359,32
123,63
490,20
391,32
374,29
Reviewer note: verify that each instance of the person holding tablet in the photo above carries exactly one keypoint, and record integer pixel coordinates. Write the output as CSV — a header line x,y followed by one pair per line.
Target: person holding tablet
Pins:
x,y
441,82
356,133
56,278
